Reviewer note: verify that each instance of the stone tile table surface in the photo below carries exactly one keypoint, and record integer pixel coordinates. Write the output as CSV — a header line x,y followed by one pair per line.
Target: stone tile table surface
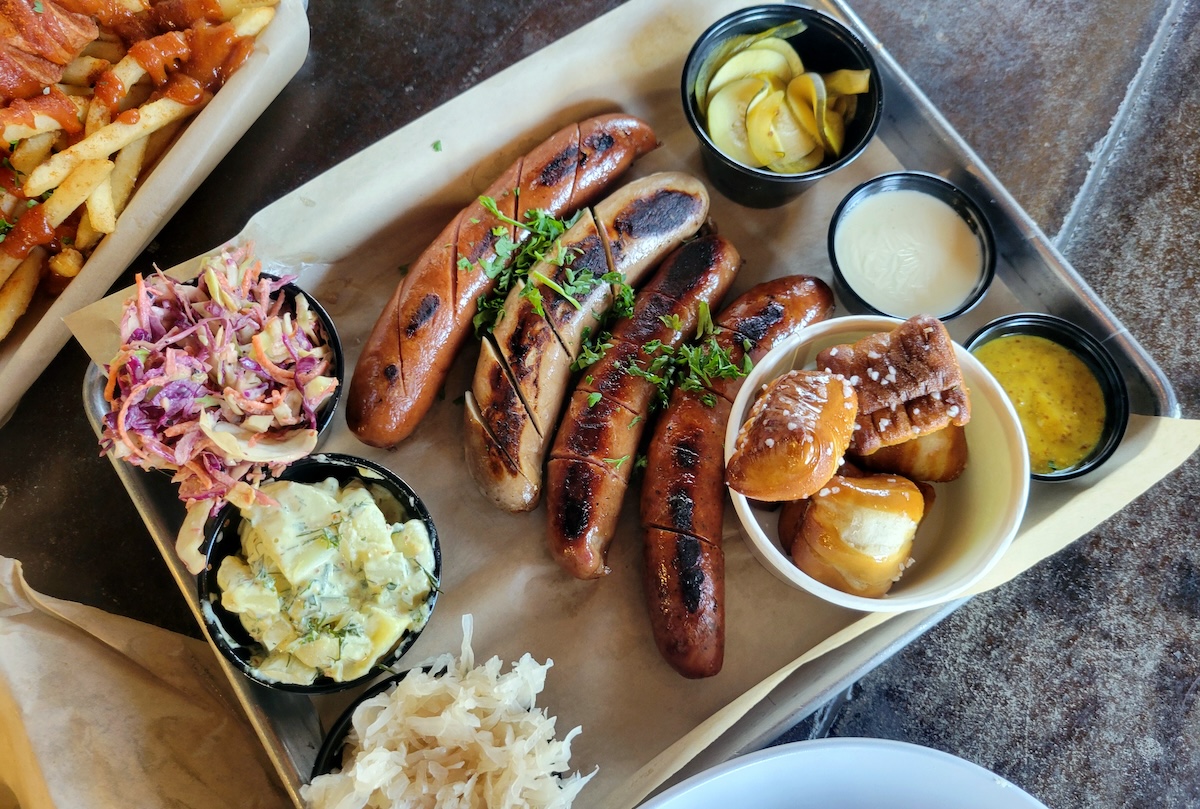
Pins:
x,y
1080,680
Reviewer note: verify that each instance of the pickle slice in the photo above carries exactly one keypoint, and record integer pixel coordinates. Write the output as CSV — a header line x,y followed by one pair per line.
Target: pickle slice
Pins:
x,y
806,163
751,62
847,82
846,106
808,90
775,135
727,117
834,133
784,47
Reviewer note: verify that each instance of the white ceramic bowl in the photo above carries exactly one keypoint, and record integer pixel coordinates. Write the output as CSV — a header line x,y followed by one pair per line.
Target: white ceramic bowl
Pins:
x,y
973,519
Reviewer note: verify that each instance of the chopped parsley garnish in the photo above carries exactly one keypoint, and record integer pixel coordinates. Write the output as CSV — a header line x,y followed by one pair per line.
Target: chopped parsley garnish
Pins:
x,y
437,145
692,366
513,259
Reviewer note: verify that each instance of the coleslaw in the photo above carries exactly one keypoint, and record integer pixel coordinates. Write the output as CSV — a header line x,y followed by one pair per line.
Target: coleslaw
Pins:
x,y
218,380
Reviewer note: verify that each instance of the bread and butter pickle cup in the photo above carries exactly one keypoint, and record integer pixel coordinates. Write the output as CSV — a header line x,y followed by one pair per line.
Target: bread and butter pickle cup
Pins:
x,y
825,46
974,518
399,505
909,243
1066,387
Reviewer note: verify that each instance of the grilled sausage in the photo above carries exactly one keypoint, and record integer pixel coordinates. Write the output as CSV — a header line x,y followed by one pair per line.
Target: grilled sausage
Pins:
x,y
592,458
409,351
683,492
631,231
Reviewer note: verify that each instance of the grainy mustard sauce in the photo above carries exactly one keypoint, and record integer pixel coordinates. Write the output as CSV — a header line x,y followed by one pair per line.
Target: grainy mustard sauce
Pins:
x,y
1056,396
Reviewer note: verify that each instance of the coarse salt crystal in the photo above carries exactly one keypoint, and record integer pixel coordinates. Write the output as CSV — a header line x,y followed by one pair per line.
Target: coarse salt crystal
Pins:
x,y
770,442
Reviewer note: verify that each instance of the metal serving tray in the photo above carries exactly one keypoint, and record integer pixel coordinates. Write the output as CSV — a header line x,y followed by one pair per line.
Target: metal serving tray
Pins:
x,y
290,726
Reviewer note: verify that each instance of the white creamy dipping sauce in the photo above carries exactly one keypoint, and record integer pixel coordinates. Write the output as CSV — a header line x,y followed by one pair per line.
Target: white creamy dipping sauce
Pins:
x,y
907,253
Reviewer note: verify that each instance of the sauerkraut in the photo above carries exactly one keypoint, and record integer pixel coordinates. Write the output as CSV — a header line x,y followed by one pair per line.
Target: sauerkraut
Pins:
x,y
452,734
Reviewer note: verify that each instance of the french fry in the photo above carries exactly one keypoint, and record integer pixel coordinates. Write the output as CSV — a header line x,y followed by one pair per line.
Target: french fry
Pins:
x,y
98,117
100,208
20,129
17,291
127,165
86,236
32,151
129,71
160,141
105,141
108,50
251,21
75,189
61,268
84,70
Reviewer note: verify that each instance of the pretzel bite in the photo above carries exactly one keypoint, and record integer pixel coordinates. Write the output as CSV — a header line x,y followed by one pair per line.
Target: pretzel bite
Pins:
x,y
939,456
794,438
856,533
908,382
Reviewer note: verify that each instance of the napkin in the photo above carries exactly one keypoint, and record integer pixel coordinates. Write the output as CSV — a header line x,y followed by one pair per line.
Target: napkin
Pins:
x,y
101,711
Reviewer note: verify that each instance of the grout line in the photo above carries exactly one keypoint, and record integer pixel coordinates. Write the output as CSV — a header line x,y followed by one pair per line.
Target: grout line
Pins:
x,y
1100,155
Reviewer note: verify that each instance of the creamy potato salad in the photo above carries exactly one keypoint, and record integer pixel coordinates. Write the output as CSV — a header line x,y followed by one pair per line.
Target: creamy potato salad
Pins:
x,y
324,582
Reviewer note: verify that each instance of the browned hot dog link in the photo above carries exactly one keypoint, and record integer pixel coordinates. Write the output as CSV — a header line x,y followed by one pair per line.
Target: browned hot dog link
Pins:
x,y
593,453
409,351
683,492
